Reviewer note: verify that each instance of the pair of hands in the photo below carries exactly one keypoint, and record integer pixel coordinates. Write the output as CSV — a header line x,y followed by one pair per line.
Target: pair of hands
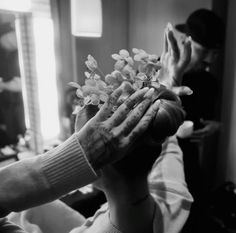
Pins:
x,y
105,138
174,62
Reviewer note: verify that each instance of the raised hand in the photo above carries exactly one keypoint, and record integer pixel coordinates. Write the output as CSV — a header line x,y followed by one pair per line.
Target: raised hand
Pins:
x,y
174,62
106,137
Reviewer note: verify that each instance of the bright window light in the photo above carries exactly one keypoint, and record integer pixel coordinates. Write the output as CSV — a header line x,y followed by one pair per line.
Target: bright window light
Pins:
x,y
23,83
16,5
46,75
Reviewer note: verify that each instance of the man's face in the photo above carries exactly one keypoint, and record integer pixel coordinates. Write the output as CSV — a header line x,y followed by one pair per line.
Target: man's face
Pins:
x,y
201,57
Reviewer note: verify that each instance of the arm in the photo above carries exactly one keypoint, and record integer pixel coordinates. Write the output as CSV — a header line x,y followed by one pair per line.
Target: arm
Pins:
x,y
46,177
167,173
174,62
167,180
168,187
168,170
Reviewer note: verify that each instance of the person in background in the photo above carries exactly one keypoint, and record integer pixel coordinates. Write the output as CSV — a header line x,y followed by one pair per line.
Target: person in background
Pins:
x,y
207,32
12,119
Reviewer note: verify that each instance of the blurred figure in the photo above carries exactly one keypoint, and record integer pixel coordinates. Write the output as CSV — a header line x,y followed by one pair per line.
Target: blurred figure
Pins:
x,y
207,32
12,120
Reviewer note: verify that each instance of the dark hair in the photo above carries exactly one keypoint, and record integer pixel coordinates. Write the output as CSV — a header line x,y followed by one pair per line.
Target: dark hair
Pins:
x,y
170,116
205,27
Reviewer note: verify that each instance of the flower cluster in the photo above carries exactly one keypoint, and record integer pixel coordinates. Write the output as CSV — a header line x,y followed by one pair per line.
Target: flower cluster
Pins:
x,y
139,71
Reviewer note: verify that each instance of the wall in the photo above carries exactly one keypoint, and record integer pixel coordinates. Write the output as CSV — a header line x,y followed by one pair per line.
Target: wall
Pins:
x,y
114,38
149,18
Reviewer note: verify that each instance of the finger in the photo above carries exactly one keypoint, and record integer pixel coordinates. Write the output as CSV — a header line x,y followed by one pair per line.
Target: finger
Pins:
x,y
186,54
134,117
143,124
183,90
165,44
198,133
197,137
172,42
128,88
124,109
205,122
197,140
127,91
106,109
149,93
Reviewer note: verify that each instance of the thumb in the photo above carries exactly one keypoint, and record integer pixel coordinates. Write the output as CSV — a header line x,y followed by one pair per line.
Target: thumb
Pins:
x,y
182,90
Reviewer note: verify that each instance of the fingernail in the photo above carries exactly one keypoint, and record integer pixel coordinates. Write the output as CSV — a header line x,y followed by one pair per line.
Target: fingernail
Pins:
x,y
145,88
189,92
156,105
169,26
189,39
149,93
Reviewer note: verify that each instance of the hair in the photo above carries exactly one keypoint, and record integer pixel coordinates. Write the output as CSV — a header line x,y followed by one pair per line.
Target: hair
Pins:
x,y
139,160
169,117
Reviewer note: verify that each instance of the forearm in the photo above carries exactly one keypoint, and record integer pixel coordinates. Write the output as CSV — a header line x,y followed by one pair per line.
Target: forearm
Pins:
x,y
171,162
44,178
168,187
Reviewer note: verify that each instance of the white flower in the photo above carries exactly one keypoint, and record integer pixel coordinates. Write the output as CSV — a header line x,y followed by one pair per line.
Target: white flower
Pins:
x,y
91,63
96,90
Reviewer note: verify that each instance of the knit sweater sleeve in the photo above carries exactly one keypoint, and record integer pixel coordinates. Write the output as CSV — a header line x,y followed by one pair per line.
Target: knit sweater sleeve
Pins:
x,y
45,177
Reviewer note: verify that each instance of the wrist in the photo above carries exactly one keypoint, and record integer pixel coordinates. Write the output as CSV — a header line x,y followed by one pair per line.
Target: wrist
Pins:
x,y
90,152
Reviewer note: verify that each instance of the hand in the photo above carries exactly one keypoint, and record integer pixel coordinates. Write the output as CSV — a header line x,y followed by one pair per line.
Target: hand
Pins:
x,y
105,138
174,62
210,127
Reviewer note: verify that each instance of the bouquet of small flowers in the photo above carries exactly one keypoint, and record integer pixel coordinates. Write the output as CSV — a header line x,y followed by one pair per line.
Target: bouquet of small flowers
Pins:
x,y
98,87
140,71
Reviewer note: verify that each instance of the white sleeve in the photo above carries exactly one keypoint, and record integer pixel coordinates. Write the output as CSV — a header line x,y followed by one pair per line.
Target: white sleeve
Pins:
x,y
168,187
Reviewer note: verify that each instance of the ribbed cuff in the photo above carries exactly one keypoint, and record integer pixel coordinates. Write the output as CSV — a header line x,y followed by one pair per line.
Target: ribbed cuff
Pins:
x,y
66,166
